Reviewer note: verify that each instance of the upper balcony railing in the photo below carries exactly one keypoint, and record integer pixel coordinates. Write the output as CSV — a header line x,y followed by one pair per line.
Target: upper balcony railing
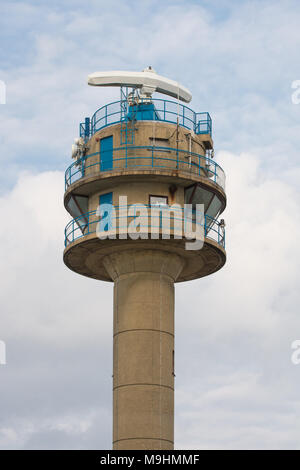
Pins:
x,y
160,110
145,158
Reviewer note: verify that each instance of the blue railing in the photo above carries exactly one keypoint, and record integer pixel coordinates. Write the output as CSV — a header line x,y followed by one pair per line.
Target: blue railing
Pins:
x,y
165,110
146,157
121,216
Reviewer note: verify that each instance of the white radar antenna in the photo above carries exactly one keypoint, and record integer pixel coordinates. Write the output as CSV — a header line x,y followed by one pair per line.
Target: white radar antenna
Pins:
x,y
147,81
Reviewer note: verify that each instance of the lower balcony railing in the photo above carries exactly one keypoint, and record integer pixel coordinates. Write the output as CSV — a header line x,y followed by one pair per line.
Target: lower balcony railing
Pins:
x,y
139,220
145,157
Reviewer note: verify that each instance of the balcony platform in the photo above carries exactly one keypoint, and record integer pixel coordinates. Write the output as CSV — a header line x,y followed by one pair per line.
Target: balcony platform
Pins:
x,y
85,255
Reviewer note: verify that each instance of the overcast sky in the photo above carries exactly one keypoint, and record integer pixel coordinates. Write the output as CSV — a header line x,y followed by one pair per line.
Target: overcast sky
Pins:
x,y
236,386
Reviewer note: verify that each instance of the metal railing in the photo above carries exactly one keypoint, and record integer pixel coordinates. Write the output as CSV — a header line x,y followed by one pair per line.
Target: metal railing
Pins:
x,y
145,157
122,217
164,110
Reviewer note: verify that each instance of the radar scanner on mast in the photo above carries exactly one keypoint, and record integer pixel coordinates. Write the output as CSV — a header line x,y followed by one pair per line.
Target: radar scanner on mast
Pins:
x,y
147,82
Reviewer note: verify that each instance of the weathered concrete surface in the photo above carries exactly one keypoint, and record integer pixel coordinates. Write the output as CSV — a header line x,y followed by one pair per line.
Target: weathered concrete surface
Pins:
x,y
143,385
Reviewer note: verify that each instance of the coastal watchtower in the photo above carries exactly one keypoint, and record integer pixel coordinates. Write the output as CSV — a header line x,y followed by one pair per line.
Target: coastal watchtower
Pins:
x,y
142,168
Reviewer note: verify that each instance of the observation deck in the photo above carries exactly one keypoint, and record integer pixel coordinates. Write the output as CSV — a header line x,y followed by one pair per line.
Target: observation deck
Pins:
x,y
156,147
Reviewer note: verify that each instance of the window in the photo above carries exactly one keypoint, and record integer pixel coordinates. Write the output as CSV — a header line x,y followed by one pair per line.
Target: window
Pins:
x,y
161,143
77,206
160,201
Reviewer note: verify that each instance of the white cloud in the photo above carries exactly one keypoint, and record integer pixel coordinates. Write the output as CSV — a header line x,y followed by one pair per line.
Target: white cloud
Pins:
x,y
236,385
50,317
31,251
262,247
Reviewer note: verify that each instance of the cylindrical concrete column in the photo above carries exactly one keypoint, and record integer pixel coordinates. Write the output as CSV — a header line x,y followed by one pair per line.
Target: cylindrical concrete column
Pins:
x,y
143,385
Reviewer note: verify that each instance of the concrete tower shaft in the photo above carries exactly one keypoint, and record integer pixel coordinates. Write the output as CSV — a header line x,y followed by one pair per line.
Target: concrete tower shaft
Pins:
x,y
143,364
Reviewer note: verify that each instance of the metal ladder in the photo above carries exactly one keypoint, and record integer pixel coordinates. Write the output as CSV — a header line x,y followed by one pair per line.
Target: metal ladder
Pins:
x,y
127,124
